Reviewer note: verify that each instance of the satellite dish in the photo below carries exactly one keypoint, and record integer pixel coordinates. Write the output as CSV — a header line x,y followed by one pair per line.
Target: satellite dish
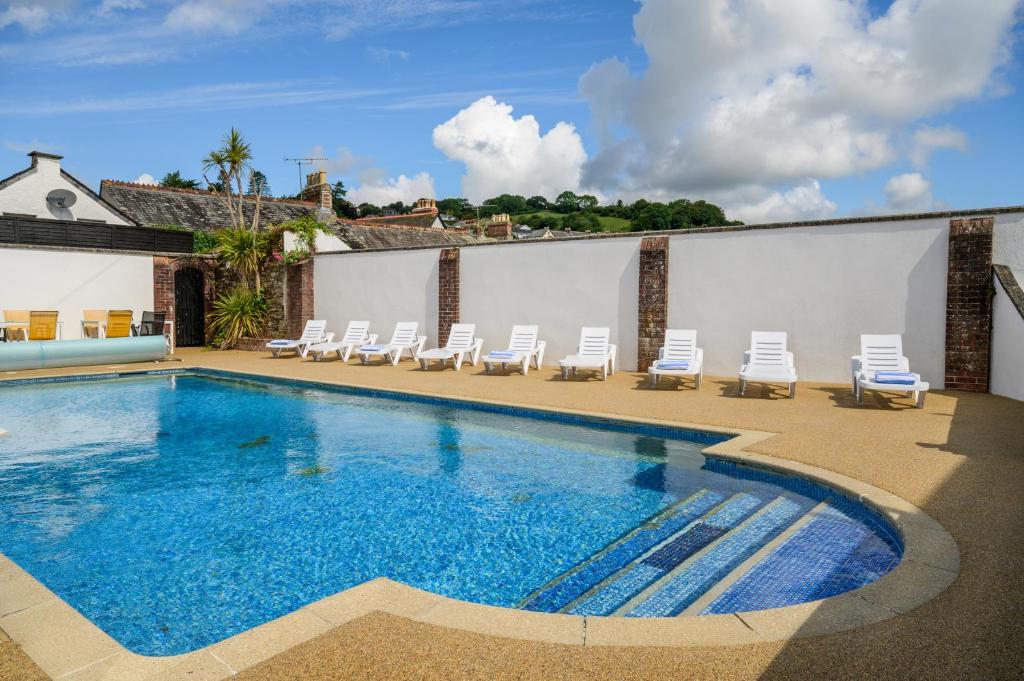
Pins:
x,y
61,198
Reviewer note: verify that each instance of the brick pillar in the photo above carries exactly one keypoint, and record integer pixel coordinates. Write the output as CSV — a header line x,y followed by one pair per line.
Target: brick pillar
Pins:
x,y
298,298
652,317
447,293
969,304
163,286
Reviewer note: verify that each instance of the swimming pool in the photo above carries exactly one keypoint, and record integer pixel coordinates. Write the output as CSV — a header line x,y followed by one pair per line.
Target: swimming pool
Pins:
x,y
175,510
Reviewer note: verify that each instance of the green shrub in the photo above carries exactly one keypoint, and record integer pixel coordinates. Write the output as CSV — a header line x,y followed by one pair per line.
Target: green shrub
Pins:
x,y
239,312
203,242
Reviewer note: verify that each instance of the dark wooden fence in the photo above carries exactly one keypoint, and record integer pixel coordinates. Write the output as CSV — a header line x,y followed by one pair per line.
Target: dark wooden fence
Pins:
x,y
37,232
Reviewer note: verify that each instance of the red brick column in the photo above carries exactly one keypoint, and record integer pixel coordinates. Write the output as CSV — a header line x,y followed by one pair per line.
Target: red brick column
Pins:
x,y
164,268
447,293
969,304
298,297
652,316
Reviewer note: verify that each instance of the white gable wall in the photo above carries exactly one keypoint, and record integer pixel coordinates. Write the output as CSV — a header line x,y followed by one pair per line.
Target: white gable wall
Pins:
x,y
27,196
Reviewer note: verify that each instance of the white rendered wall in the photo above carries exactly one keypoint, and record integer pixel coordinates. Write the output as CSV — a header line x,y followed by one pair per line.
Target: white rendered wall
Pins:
x,y
384,288
824,285
71,281
324,243
1007,369
27,196
559,286
1008,242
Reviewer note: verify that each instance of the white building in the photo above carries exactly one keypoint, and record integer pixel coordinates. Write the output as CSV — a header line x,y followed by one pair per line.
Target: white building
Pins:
x,y
44,190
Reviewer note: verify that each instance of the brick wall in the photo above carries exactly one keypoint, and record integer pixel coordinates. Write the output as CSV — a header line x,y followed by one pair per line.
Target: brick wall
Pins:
x,y
298,297
652,317
447,293
969,304
164,268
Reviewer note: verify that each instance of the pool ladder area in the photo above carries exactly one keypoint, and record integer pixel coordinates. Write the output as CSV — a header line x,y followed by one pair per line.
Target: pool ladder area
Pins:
x,y
717,553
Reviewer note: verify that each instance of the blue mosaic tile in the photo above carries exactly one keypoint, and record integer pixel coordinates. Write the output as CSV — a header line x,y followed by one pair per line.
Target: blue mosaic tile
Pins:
x,y
575,584
640,575
686,587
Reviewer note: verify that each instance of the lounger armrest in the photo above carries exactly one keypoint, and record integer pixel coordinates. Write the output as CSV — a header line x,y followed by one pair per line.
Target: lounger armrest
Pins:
x,y
905,364
855,370
539,352
699,356
420,342
612,352
661,352
789,359
746,358
371,339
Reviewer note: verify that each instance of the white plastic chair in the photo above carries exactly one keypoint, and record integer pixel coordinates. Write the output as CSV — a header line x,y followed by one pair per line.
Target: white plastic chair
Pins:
x,y
594,352
879,364
523,347
461,342
403,338
314,332
356,334
768,361
680,356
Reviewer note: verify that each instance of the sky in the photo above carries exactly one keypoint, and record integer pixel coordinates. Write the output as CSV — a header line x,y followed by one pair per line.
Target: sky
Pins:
x,y
776,110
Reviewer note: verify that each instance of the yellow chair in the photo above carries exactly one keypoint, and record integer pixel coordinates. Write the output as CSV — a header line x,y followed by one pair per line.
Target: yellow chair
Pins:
x,y
119,324
91,320
16,332
42,325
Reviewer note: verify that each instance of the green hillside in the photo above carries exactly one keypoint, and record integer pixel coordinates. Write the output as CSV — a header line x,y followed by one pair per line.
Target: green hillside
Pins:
x,y
608,223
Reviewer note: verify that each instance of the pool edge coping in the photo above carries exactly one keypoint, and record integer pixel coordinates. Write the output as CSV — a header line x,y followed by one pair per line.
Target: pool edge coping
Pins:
x,y
930,563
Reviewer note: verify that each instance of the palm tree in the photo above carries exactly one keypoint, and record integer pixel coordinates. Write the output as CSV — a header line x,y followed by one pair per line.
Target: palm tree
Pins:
x,y
232,162
244,251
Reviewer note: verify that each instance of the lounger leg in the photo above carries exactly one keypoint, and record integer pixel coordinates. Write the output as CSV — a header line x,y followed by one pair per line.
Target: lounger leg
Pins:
x,y
792,390
700,378
743,387
565,373
423,364
859,394
920,398
654,379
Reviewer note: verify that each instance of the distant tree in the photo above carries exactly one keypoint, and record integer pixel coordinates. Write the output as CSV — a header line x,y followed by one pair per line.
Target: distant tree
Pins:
x,y
368,209
505,203
653,216
258,184
342,207
398,207
454,206
175,180
567,202
586,202
537,203
581,222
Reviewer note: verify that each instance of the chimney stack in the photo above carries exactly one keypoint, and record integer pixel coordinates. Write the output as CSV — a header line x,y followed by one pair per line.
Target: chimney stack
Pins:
x,y
499,227
425,206
318,190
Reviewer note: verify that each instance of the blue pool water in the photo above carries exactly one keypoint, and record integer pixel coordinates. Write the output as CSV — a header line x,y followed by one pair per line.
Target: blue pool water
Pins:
x,y
177,510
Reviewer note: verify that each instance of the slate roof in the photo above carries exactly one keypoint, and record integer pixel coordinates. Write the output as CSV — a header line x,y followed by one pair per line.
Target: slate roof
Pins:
x,y
423,220
359,234
155,206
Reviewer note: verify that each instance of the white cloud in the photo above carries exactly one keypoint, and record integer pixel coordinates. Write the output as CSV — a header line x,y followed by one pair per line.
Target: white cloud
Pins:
x,y
910,193
757,95
145,178
385,55
381,191
33,15
805,201
226,16
108,6
927,139
504,154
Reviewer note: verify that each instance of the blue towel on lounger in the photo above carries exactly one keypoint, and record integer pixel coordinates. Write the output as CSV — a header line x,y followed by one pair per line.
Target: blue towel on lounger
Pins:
x,y
372,348
279,342
895,377
672,364
501,354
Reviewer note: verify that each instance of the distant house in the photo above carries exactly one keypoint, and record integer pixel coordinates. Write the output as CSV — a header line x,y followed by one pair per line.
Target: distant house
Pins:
x,y
47,191
424,215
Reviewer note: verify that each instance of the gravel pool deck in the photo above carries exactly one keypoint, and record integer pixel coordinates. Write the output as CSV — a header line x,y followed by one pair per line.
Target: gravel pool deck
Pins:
x,y
961,459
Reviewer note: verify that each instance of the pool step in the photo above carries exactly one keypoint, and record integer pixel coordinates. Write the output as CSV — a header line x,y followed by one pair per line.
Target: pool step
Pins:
x,y
570,586
824,557
675,591
612,594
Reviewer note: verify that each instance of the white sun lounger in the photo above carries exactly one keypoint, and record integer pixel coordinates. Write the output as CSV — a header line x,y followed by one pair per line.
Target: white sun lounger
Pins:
x,y
356,334
881,366
594,352
680,356
314,332
523,347
403,338
767,361
461,342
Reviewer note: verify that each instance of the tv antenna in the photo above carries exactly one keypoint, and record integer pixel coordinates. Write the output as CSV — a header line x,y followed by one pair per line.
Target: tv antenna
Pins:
x,y
303,162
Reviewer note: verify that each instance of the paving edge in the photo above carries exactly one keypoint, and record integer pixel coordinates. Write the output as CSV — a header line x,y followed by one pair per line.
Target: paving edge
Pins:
x,y
35,618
